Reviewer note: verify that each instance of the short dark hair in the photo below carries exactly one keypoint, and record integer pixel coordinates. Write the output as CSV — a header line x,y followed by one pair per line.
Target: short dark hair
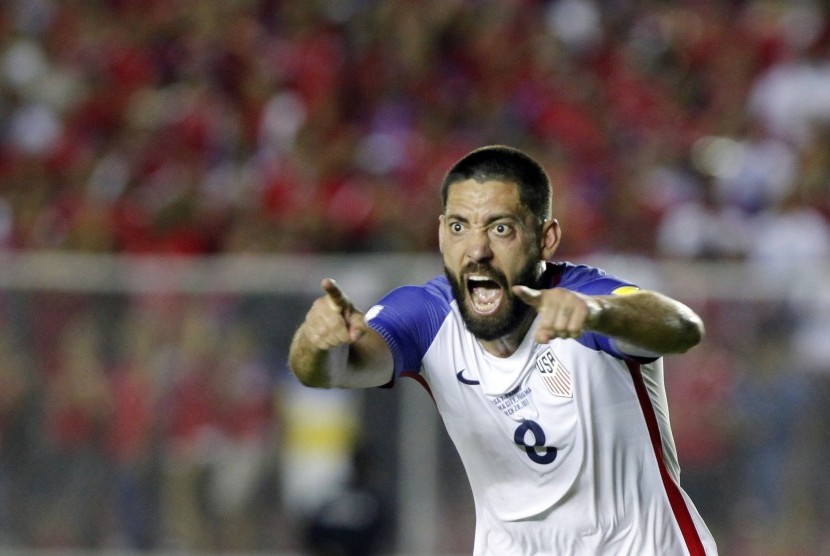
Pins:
x,y
508,164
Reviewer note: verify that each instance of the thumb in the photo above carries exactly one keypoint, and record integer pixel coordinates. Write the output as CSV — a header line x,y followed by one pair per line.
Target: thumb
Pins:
x,y
528,295
357,325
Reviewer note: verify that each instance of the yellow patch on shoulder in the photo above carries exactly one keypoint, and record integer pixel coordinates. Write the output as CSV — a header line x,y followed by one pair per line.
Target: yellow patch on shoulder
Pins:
x,y
625,290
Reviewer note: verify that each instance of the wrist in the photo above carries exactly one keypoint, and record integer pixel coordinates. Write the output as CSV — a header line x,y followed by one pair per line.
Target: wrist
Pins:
x,y
597,308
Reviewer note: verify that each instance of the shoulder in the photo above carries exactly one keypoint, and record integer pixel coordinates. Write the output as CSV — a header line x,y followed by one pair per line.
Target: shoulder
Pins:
x,y
409,318
436,293
424,304
584,279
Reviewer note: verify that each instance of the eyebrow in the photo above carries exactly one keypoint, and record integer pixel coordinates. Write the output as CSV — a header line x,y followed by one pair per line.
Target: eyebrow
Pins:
x,y
490,220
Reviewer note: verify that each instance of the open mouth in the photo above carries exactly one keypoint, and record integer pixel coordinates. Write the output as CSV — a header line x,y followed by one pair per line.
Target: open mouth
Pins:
x,y
485,294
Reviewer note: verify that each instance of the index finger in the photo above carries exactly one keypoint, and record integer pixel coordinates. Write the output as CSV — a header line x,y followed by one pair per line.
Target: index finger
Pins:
x,y
337,299
528,295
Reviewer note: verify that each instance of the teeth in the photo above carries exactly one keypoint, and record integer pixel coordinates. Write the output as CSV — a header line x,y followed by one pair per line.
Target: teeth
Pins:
x,y
484,298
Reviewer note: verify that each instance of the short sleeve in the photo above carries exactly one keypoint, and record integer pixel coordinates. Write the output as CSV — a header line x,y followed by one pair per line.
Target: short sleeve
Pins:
x,y
408,319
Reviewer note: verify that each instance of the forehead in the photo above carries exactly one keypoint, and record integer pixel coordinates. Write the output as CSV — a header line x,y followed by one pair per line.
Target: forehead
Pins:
x,y
488,196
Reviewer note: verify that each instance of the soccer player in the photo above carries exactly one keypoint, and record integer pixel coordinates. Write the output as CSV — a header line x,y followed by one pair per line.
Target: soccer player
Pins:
x,y
547,375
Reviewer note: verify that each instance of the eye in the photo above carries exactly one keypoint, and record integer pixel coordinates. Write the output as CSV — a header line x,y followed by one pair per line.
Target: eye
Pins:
x,y
456,227
501,229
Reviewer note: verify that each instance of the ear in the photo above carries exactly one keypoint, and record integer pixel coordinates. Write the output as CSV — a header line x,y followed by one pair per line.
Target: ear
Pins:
x,y
441,220
551,234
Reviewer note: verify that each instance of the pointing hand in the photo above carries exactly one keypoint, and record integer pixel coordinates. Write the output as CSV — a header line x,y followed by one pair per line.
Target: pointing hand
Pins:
x,y
333,320
562,313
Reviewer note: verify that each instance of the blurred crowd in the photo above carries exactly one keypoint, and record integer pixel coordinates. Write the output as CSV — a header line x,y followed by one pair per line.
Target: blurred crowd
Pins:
x,y
671,129
676,128
150,422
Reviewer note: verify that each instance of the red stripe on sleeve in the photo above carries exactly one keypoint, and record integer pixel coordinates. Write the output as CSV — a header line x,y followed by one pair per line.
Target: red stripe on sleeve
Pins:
x,y
676,500
420,380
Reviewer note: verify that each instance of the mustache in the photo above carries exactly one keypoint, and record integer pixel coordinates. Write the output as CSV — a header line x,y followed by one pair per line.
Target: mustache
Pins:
x,y
478,268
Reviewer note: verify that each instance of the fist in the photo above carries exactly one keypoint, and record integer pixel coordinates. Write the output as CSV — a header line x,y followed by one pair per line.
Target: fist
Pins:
x,y
333,320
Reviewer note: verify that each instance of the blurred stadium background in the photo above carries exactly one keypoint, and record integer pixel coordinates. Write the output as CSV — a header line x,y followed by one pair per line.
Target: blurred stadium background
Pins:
x,y
176,177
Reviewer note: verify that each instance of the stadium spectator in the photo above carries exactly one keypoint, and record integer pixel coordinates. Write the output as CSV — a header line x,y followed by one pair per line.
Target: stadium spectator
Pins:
x,y
201,130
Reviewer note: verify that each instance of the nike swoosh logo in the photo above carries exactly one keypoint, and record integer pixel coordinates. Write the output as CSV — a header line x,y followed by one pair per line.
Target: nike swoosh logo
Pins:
x,y
464,380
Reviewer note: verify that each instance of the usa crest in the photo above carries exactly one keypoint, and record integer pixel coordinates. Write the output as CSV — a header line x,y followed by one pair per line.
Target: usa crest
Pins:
x,y
556,377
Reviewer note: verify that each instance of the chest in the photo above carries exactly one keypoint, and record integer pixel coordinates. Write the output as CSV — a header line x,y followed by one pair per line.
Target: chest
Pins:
x,y
542,395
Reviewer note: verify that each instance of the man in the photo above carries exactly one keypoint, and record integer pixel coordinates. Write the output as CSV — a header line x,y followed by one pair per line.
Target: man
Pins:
x,y
548,376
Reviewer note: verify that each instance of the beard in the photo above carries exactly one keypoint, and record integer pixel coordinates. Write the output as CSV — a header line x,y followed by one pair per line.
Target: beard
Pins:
x,y
513,311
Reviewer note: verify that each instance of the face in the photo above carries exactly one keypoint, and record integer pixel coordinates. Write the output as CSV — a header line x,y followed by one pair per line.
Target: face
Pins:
x,y
489,243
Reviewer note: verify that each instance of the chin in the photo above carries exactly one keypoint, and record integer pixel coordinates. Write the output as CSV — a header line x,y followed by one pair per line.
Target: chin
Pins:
x,y
498,324
511,311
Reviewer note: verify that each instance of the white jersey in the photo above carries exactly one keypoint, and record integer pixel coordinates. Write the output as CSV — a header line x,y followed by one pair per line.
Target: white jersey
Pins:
x,y
567,445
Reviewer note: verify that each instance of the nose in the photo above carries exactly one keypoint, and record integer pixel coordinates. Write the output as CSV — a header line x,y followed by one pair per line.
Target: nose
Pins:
x,y
478,248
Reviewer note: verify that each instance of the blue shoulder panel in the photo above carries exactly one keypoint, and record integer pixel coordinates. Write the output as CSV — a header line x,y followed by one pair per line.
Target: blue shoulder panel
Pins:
x,y
409,317
587,279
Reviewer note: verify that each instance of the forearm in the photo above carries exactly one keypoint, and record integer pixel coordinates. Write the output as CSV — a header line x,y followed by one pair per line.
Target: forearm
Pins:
x,y
364,363
648,320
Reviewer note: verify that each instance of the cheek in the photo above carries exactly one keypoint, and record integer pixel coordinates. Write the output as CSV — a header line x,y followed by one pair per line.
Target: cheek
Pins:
x,y
451,250
516,260
510,256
